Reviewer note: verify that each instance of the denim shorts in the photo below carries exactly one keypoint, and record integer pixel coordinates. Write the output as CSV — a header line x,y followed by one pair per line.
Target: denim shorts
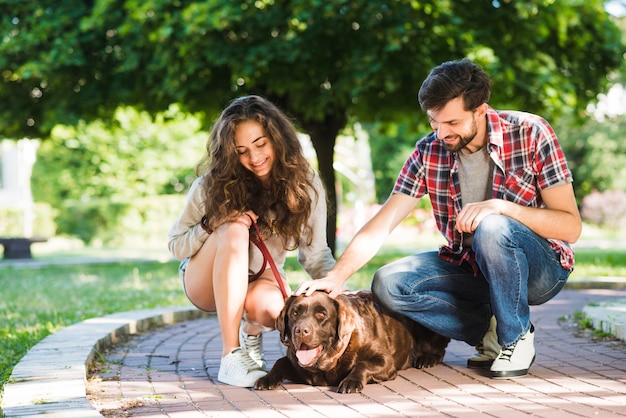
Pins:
x,y
182,267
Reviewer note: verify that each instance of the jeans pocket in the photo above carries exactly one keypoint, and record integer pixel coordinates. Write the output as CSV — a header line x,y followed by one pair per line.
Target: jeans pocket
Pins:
x,y
540,296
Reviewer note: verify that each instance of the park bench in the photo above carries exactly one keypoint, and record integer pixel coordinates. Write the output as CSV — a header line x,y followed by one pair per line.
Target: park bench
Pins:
x,y
19,247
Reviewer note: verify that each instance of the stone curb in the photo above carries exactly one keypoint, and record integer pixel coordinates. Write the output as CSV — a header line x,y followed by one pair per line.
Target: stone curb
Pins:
x,y
610,317
51,378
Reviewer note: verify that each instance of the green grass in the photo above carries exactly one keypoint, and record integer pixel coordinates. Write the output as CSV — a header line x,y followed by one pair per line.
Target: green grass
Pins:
x,y
597,263
38,301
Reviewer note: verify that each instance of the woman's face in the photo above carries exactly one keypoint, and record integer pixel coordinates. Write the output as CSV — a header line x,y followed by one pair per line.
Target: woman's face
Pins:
x,y
256,151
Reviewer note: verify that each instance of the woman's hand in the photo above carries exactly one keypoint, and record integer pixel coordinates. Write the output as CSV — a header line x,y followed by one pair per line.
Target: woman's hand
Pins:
x,y
247,218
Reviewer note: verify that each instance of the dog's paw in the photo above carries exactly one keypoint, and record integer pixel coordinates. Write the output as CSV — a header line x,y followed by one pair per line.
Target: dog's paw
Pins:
x,y
265,383
350,385
427,360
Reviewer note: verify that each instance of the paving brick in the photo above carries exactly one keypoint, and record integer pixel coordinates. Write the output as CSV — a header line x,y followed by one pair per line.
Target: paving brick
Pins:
x,y
171,371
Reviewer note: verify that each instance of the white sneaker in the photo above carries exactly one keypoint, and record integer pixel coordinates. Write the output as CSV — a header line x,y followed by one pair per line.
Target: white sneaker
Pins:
x,y
253,345
514,361
238,369
487,350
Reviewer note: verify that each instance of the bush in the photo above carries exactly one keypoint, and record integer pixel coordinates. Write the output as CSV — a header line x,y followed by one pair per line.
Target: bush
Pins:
x,y
11,221
606,208
142,222
106,179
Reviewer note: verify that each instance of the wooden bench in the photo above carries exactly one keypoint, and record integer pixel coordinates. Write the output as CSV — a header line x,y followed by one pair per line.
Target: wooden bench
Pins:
x,y
19,247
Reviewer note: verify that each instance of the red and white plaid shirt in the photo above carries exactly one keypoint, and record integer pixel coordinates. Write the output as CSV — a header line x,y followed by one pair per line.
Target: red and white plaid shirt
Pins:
x,y
527,157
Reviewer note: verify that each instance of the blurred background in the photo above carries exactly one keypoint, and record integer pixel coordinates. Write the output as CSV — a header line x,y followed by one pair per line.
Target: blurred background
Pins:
x,y
106,104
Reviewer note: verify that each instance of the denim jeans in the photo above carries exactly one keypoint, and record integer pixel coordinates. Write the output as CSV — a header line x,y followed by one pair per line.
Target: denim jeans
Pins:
x,y
518,268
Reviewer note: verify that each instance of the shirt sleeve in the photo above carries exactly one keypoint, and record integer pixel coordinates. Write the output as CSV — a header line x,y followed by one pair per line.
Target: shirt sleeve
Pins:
x,y
550,160
422,163
186,236
316,258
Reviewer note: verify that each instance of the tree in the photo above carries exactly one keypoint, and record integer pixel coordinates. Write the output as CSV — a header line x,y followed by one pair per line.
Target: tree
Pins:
x,y
99,176
325,61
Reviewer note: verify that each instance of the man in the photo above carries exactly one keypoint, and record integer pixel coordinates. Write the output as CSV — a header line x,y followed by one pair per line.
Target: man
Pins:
x,y
502,196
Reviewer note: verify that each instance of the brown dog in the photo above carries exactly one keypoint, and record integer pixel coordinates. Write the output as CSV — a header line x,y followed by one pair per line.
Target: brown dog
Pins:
x,y
348,342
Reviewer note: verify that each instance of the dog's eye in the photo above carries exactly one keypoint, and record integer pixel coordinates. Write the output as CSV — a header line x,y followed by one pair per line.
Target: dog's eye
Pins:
x,y
320,314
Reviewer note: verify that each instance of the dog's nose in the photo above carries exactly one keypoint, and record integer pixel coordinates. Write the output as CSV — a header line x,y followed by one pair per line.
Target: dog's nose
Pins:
x,y
303,330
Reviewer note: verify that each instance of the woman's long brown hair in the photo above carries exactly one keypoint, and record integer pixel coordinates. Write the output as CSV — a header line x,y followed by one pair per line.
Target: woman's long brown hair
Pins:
x,y
230,188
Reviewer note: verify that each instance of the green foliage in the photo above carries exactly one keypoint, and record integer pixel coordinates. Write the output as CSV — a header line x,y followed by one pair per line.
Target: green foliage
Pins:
x,y
95,173
596,152
141,222
134,155
43,224
391,145
324,61
65,61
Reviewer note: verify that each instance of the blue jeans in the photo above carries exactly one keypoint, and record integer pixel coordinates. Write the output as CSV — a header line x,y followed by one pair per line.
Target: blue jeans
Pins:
x,y
518,268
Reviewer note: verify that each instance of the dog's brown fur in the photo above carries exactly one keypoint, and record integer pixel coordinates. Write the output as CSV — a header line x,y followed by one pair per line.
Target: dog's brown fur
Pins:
x,y
352,342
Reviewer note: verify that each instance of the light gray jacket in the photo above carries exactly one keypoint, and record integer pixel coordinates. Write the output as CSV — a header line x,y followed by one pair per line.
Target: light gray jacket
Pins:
x,y
187,236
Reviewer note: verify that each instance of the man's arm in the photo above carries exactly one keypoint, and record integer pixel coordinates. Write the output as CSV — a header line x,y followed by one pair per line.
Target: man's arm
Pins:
x,y
560,218
363,246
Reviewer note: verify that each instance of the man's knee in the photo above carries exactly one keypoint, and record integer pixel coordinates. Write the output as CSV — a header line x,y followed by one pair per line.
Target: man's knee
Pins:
x,y
493,232
380,288
493,225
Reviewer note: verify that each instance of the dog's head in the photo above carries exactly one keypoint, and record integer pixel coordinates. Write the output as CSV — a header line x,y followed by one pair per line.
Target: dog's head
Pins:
x,y
316,329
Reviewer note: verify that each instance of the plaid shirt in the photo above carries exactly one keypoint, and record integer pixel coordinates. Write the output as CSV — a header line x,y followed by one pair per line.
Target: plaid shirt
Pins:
x,y
527,159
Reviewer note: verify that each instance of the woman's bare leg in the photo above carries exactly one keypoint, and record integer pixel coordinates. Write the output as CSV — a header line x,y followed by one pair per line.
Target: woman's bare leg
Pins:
x,y
216,279
263,304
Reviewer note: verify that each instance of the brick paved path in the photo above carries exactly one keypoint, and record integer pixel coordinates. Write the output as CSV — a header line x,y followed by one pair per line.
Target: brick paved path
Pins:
x,y
172,372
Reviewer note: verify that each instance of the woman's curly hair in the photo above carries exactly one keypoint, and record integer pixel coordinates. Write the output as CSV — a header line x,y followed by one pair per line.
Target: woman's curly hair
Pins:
x,y
229,188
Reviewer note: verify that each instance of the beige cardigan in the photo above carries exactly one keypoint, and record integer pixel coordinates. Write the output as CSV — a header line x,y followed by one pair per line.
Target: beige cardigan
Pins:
x,y
186,236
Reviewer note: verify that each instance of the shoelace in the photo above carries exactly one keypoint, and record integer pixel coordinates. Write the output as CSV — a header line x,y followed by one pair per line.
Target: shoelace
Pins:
x,y
507,353
245,360
253,343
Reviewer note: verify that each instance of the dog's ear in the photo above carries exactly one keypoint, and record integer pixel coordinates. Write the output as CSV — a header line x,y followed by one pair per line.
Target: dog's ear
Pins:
x,y
282,319
346,322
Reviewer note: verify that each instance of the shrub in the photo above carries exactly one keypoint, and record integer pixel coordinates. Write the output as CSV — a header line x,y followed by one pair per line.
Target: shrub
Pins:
x,y
606,208
142,222
11,221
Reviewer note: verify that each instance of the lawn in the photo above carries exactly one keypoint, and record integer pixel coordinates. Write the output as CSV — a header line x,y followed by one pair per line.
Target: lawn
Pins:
x,y
38,300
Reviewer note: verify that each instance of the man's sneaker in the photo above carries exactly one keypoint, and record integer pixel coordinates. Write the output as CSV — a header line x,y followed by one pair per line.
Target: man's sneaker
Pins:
x,y
487,350
514,361
253,345
238,369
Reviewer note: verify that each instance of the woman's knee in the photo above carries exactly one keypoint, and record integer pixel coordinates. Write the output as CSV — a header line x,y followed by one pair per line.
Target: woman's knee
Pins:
x,y
233,235
263,304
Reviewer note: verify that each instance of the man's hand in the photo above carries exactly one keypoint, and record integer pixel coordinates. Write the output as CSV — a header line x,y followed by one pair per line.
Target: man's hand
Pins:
x,y
327,285
473,213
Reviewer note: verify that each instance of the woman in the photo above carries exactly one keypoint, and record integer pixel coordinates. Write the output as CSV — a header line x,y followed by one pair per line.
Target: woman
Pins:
x,y
254,172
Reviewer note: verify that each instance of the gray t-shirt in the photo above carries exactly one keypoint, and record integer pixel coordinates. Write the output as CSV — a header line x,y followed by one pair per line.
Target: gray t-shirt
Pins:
x,y
475,177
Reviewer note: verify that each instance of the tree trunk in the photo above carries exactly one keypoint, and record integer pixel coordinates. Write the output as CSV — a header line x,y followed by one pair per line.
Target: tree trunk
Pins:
x,y
323,136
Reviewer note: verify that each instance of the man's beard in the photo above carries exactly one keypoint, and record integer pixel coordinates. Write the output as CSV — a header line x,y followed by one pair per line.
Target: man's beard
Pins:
x,y
464,140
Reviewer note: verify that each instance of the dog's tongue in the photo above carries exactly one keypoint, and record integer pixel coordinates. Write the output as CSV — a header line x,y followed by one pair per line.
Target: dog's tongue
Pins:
x,y
306,357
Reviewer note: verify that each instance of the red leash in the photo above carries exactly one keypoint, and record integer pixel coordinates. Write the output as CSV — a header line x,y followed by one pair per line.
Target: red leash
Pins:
x,y
267,257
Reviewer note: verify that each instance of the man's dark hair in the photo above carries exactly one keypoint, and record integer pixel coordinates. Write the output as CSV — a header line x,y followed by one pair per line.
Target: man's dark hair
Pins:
x,y
454,79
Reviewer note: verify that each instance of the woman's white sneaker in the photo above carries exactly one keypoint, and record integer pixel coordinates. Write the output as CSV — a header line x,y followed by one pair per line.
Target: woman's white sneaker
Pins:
x,y
238,369
253,345
515,361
